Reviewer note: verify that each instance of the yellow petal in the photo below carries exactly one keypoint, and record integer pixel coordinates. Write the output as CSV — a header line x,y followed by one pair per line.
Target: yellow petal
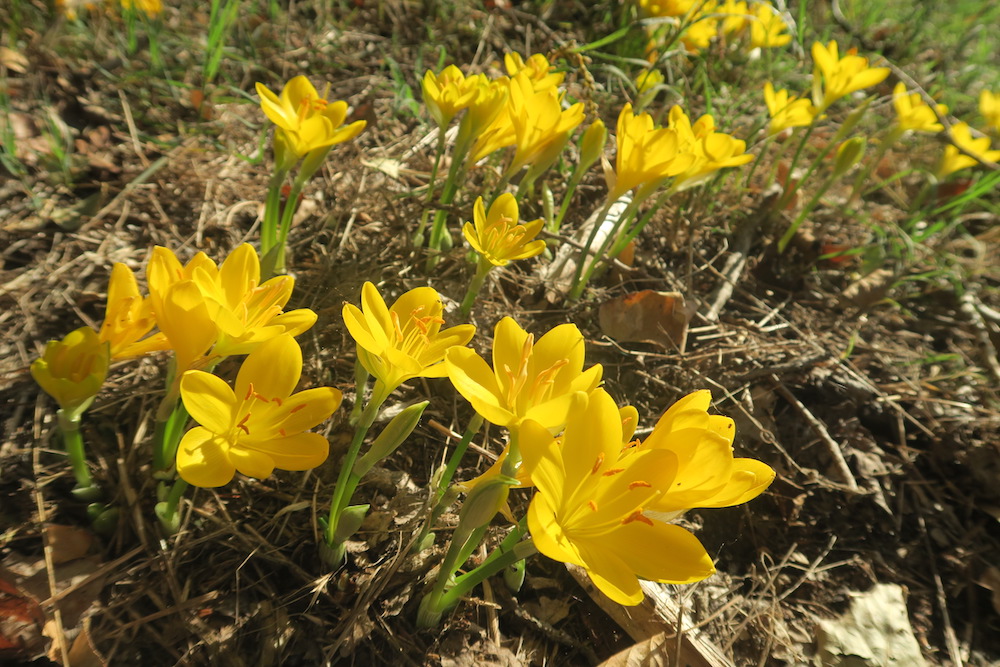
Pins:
x,y
548,535
301,451
308,408
749,479
476,382
273,369
209,401
203,460
251,463
661,552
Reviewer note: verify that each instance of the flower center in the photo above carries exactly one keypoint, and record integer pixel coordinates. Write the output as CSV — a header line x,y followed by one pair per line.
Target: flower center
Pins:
x,y
414,337
518,380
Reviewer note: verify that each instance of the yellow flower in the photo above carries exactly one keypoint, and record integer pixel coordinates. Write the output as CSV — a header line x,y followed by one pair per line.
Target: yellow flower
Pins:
x,y
128,317
666,7
498,237
708,150
707,474
225,308
589,508
737,13
72,370
535,123
489,120
768,29
646,154
787,110
307,124
989,107
913,114
541,72
449,92
952,160
151,8
528,380
700,32
406,340
834,77
647,80
259,426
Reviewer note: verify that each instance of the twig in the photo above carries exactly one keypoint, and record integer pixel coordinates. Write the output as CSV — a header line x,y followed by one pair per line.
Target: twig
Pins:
x,y
832,445
50,568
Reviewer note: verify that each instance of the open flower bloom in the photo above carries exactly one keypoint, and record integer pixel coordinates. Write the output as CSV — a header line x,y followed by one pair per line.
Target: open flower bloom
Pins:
x,y
666,7
767,28
834,77
449,92
953,160
648,80
646,154
787,110
308,125
707,474
708,150
128,317
539,70
406,340
701,30
736,13
151,8
498,237
989,107
201,306
529,380
535,124
913,114
258,427
72,370
589,508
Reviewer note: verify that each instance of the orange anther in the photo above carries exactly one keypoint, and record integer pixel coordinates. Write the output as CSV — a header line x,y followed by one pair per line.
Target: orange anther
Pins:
x,y
637,515
592,505
243,424
613,471
639,485
297,408
597,463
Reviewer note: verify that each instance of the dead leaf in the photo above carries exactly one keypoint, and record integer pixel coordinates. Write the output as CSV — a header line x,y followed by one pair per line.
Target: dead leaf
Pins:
x,y
990,580
875,632
647,317
21,620
654,652
67,542
13,60
870,289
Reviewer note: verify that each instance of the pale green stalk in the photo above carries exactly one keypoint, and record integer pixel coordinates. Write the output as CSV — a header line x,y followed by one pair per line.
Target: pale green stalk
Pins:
x,y
483,268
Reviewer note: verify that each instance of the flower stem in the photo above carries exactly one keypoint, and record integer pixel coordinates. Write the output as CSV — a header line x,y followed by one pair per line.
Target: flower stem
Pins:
x,y
291,205
166,511
167,436
475,424
69,426
418,237
272,211
483,267
347,482
578,283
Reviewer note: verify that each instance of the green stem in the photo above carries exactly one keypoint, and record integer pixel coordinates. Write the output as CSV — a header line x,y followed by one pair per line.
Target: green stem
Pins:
x,y
418,238
475,424
360,382
600,258
483,267
578,284
69,426
574,181
166,511
463,143
272,212
790,232
167,436
891,138
291,205
789,189
347,482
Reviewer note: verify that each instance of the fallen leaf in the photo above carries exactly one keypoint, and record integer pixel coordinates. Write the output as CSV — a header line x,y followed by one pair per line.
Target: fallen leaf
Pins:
x,y
875,632
67,542
654,652
21,620
870,289
660,318
990,580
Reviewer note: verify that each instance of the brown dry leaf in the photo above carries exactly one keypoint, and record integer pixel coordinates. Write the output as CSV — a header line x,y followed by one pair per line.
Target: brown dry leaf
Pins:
x,y
67,542
21,620
646,317
654,652
990,580
870,289
13,60
82,653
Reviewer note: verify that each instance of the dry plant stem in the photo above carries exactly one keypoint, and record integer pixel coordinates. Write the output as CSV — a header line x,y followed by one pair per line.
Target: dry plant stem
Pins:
x,y
347,482
832,445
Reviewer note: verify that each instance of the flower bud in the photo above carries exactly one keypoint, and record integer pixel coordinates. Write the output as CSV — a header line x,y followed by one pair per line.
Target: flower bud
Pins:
x,y
592,144
848,155
391,437
73,369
